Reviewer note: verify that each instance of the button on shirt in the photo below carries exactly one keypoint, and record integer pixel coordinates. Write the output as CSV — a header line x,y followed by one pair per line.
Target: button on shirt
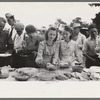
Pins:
x,y
68,51
48,53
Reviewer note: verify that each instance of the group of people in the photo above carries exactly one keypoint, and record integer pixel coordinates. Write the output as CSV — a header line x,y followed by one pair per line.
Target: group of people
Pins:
x,y
48,48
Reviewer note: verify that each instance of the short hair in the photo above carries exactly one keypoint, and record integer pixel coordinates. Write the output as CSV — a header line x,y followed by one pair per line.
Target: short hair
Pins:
x,y
19,26
30,29
53,29
91,26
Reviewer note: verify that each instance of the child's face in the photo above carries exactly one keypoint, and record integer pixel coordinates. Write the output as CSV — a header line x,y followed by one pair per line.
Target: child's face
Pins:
x,y
19,32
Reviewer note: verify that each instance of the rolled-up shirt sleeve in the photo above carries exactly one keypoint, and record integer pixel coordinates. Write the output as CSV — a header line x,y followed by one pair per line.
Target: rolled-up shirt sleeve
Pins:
x,y
40,52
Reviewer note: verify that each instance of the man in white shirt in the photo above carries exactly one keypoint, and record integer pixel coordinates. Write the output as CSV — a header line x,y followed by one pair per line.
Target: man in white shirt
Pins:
x,y
18,45
79,38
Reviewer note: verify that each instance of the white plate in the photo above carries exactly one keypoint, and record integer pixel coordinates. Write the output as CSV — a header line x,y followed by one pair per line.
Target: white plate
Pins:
x,y
5,55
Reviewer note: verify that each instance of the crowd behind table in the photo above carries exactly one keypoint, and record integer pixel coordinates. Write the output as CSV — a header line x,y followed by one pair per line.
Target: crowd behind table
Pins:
x,y
72,47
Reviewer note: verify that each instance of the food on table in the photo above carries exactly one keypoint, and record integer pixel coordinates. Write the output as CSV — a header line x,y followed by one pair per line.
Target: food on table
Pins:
x,y
4,72
64,65
95,76
77,68
19,77
94,69
46,76
3,76
61,77
51,66
27,71
68,75
86,75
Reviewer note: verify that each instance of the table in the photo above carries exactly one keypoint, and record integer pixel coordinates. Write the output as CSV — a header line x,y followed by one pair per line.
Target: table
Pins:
x,y
11,73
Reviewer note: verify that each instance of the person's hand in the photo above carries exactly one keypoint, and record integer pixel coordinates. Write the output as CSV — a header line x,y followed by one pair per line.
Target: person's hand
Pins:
x,y
35,54
23,44
41,63
80,46
55,62
19,52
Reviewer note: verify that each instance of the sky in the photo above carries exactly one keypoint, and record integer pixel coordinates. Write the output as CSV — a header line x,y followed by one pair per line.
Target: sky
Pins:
x,y
44,13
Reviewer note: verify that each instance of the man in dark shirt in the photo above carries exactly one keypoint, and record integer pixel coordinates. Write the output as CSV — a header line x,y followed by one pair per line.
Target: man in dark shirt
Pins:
x,y
6,44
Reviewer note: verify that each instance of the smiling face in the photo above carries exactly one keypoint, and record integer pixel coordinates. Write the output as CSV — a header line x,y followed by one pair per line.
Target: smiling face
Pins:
x,y
66,35
52,35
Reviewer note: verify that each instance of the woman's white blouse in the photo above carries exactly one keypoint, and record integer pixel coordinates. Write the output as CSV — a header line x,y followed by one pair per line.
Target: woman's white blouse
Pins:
x,y
48,53
68,51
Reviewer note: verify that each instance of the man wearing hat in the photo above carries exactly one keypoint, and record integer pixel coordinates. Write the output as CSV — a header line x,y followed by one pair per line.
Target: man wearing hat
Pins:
x,y
79,38
11,21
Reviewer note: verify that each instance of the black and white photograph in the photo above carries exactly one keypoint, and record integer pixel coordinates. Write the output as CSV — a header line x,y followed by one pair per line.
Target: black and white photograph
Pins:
x,y
49,49
50,41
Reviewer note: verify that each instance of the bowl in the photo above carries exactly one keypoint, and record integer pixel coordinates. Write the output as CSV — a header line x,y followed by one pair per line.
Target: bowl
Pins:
x,y
46,76
4,76
77,68
64,65
21,77
27,71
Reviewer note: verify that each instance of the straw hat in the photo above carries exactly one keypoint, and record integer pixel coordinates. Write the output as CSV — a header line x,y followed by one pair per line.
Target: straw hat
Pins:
x,y
8,15
76,25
